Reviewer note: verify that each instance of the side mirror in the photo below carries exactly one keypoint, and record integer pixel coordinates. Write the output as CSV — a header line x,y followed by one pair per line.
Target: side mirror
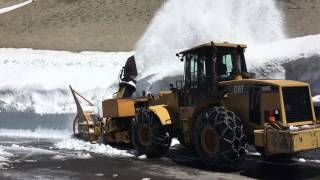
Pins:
x,y
171,86
179,56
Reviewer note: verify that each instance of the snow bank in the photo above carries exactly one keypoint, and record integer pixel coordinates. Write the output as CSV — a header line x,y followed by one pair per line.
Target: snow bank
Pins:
x,y
37,80
79,145
267,59
38,133
46,70
11,8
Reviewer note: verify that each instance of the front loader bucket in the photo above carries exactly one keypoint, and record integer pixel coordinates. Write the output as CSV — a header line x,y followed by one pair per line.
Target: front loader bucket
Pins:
x,y
87,124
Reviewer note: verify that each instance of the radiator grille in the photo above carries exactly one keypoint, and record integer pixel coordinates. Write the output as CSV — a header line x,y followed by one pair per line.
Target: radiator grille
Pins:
x,y
297,104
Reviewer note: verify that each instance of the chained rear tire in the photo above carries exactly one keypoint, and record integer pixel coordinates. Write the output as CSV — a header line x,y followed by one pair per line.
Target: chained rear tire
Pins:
x,y
148,135
219,138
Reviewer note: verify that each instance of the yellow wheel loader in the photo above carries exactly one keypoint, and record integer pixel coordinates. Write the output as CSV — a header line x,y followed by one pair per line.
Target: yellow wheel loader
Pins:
x,y
217,109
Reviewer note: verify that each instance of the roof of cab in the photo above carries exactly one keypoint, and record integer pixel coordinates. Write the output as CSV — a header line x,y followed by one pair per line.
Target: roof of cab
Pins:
x,y
224,44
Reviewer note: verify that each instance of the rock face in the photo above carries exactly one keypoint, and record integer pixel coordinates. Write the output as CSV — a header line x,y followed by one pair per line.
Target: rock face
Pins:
x,y
110,25
301,16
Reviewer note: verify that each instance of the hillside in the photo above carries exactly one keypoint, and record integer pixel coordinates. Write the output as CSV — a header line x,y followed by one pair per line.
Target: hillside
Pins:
x,y
76,25
110,25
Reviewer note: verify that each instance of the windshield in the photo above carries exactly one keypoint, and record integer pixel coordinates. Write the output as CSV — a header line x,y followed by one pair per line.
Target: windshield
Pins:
x,y
230,63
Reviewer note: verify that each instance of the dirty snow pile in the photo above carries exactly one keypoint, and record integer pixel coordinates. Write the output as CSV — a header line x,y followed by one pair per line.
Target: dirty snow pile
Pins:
x,y
79,145
103,149
4,158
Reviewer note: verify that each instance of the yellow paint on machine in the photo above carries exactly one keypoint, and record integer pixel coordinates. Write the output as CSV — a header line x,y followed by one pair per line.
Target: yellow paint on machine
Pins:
x,y
286,141
162,113
118,108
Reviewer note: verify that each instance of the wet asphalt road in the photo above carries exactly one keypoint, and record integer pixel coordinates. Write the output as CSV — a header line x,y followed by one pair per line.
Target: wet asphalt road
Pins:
x,y
180,163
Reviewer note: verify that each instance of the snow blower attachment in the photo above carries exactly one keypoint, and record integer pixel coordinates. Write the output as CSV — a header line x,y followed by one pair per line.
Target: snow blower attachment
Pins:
x,y
87,124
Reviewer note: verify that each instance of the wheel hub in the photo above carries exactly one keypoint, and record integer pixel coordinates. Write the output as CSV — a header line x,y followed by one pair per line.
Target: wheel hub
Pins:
x,y
209,141
145,136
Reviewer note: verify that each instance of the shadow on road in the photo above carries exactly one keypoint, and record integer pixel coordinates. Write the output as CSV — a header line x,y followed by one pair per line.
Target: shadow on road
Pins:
x,y
253,166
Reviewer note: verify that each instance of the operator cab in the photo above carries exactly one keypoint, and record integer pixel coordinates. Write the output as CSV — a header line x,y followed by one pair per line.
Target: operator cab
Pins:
x,y
208,64
223,61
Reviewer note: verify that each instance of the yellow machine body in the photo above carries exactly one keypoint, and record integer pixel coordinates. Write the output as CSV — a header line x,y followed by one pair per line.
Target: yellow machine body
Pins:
x,y
279,139
162,113
287,141
118,108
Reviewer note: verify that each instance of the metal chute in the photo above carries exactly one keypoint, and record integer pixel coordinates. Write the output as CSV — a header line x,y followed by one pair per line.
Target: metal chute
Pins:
x,y
127,79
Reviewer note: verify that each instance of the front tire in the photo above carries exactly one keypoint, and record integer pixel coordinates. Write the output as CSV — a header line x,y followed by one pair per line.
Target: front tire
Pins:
x,y
148,135
219,138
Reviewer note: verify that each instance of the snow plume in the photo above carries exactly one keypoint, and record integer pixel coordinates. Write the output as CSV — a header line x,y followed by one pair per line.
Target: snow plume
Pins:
x,y
186,23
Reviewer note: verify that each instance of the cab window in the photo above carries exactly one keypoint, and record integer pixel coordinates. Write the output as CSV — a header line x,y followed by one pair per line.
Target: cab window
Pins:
x,y
227,61
191,69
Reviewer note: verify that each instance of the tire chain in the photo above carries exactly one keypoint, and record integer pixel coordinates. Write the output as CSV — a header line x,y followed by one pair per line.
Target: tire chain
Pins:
x,y
146,118
236,141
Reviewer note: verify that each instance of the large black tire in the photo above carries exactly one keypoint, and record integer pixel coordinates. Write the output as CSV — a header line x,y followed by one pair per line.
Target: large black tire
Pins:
x,y
219,138
148,136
